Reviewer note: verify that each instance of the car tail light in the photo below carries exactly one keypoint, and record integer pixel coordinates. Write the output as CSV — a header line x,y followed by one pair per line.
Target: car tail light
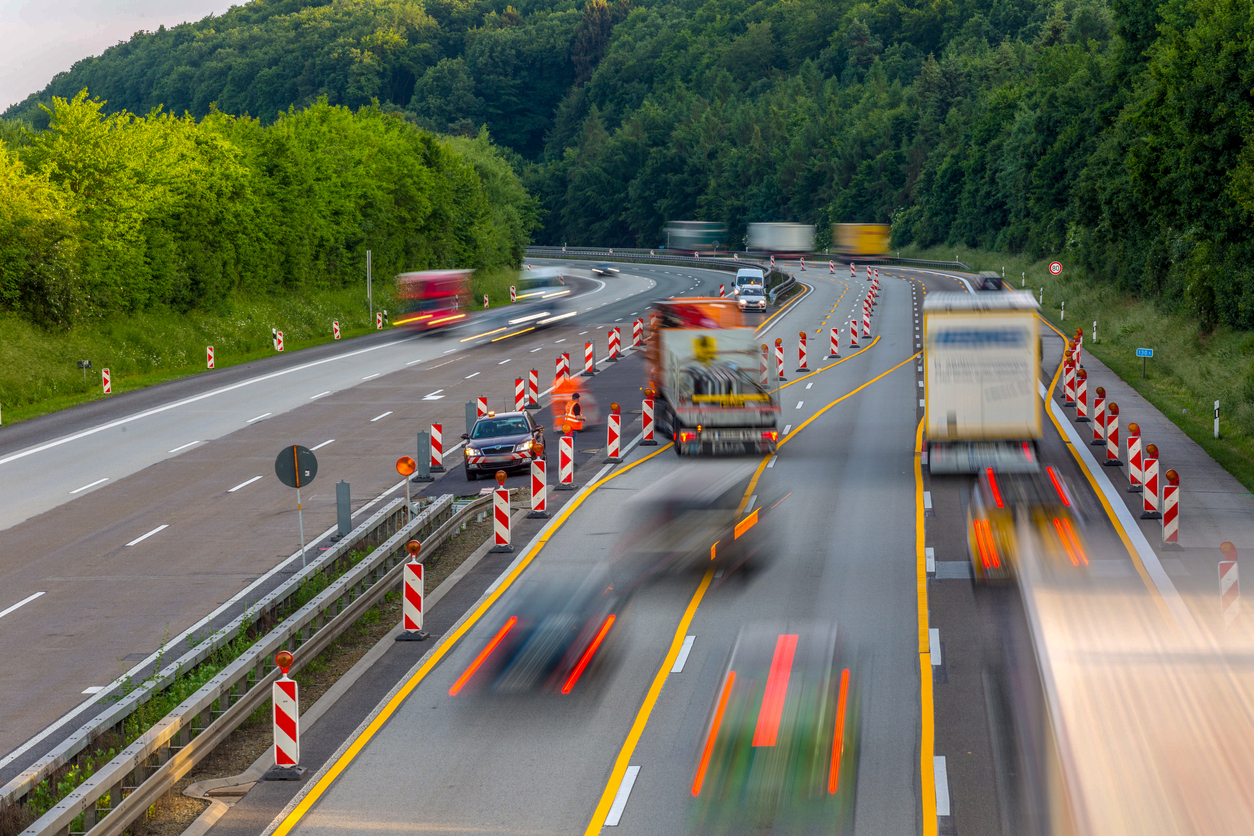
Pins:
x,y
587,655
1062,494
988,548
992,483
686,435
487,651
770,435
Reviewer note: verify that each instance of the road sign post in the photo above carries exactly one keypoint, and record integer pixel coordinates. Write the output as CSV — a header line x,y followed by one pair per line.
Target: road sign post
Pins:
x,y
1144,354
295,466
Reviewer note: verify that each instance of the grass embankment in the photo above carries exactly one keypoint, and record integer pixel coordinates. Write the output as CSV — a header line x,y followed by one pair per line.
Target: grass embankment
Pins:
x,y
39,370
1190,370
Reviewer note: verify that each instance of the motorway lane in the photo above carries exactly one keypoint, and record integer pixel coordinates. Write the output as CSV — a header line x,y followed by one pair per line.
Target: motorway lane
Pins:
x,y
107,606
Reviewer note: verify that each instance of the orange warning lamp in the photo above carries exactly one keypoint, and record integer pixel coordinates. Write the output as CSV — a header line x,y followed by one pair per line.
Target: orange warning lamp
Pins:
x,y
1101,391
801,334
1081,374
1173,478
284,661
1113,410
779,341
1228,550
566,429
405,465
413,547
1134,428
614,408
500,478
1151,450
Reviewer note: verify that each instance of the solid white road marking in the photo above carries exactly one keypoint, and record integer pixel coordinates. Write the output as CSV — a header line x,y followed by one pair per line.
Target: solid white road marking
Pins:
x,y
259,417
92,485
620,800
323,444
141,538
384,415
185,446
921,402
243,484
20,603
771,463
684,650
320,394
371,376
469,376
942,785
933,643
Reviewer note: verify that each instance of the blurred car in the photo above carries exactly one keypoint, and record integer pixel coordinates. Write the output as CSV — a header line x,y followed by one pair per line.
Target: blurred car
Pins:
x,y
751,297
604,269
552,634
989,280
780,752
1008,507
502,441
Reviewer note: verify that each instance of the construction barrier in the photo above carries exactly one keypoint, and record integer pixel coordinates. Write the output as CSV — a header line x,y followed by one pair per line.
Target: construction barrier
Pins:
x,y
646,426
834,350
613,345
533,389
278,340
106,381
565,365
764,370
613,436
335,329
831,267
1134,458
520,394
1229,584
411,605
866,322
853,270
803,265
1149,478
1068,383
513,294
853,333
481,407
500,516
566,463
720,291
485,298
539,488
637,333
1171,508
437,448
1099,419
589,359
1112,436
286,698
1081,396
209,356
378,321
779,358
772,262
801,352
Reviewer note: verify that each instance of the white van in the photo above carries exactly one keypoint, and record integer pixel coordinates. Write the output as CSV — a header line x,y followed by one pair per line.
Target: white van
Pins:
x,y
749,275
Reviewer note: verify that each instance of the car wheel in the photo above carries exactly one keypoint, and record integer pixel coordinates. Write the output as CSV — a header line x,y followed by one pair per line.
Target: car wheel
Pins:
x,y
471,476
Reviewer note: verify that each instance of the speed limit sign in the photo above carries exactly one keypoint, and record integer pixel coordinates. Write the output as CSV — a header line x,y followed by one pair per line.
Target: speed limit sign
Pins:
x,y
1055,267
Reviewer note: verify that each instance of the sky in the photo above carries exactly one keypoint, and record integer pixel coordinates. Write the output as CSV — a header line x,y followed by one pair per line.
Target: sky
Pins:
x,y
40,38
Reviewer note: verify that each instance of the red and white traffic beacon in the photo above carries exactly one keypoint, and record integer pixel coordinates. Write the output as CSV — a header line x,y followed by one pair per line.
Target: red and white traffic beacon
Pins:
x,y
411,605
286,698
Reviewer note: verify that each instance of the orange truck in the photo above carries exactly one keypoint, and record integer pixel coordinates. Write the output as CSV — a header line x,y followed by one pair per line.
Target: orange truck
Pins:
x,y
703,365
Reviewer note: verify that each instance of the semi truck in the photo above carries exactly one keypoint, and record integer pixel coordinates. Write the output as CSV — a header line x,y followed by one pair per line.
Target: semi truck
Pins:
x,y
704,366
853,240
981,404
781,238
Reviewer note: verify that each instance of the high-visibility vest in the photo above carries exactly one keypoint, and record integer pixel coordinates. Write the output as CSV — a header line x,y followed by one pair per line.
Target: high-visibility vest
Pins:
x,y
575,421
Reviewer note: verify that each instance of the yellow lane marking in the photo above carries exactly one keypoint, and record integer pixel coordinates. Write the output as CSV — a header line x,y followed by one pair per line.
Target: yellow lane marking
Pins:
x,y
646,708
441,650
830,365
927,726
1101,496
807,422
809,290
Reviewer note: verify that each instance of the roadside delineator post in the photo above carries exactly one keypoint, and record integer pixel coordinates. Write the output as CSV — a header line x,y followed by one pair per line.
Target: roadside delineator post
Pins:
x,y
803,265
866,322
772,262
589,359
831,267
106,381
485,300
437,448
779,358
209,356
565,461
335,329
378,321
500,515
1171,508
1149,475
1134,458
637,333
533,389
720,291
613,436
1229,583
411,605
1081,396
278,340
801,352
1099,418
646,421
558,377
539,487
520,394
481,407
285,695
513,294
834,351
1112,436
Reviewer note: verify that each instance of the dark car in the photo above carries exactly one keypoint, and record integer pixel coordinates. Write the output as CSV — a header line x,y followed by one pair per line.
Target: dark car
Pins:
x,y
604,269
989,280
502,441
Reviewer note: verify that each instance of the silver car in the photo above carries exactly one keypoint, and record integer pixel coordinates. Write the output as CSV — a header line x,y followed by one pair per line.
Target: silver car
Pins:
x,y
751,297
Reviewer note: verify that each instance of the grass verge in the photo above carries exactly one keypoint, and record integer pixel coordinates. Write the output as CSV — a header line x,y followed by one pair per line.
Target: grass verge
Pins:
x,y
1190,370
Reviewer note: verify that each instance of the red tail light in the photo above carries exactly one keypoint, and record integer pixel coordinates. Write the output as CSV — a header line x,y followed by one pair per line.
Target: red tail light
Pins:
x,y
479,660
838,739
1062,494
587,655
992,483
712,735
685,435
770,435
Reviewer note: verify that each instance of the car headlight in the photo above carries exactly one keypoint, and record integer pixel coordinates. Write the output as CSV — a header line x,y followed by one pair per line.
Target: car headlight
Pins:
x,y
472,451
524,447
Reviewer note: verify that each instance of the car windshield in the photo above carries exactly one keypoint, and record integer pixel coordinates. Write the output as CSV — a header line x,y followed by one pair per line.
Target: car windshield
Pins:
x,y
493,427
751,291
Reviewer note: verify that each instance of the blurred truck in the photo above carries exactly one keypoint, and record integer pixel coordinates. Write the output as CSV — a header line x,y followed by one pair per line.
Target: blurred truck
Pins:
x,y
781,238
853,240
981,357
696,236
432,300
702,362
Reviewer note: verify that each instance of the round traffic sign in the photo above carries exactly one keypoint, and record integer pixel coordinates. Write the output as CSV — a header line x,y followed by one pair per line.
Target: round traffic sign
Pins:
x,y
1055,267
296,466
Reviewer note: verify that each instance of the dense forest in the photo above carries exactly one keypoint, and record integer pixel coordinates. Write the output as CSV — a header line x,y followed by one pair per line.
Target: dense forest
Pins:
x,y
1114,133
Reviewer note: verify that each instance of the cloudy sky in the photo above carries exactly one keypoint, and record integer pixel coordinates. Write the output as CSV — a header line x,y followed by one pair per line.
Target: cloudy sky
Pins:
x,y
40,38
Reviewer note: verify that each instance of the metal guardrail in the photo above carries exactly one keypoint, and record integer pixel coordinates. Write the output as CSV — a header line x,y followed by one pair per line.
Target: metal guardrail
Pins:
x,y
631,254
120,791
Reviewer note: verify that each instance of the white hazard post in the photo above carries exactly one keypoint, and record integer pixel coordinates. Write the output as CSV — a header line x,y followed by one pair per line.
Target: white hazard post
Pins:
x,y
834,352
866,322
1229,584
565,461
1068,382
500,515
637,333
801,352
378,321
286,698
831,267
1081,396
411,606
720,291
513,294
335,329
1171,509
533,389
589,359
437,448
565,365
764,371
106,381
481,407
853,333
539,487
646,419
520,394
613,436
779,358
1099,418
209,356
278,340
803,265
853,270
1134,458
1112,436
1149,478
613,345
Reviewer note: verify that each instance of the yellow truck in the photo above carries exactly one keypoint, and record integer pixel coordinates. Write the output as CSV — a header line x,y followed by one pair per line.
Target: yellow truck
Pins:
x,y
861,239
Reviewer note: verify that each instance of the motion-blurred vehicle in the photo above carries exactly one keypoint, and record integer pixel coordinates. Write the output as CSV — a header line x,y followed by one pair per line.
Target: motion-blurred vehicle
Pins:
x,y
1006,508
751,298
502,441
604,269
982,406
432,300
702,362
698,518
781,238
538,278
747,276
853,240
988,280
551,633
543,299
780,752
695,236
